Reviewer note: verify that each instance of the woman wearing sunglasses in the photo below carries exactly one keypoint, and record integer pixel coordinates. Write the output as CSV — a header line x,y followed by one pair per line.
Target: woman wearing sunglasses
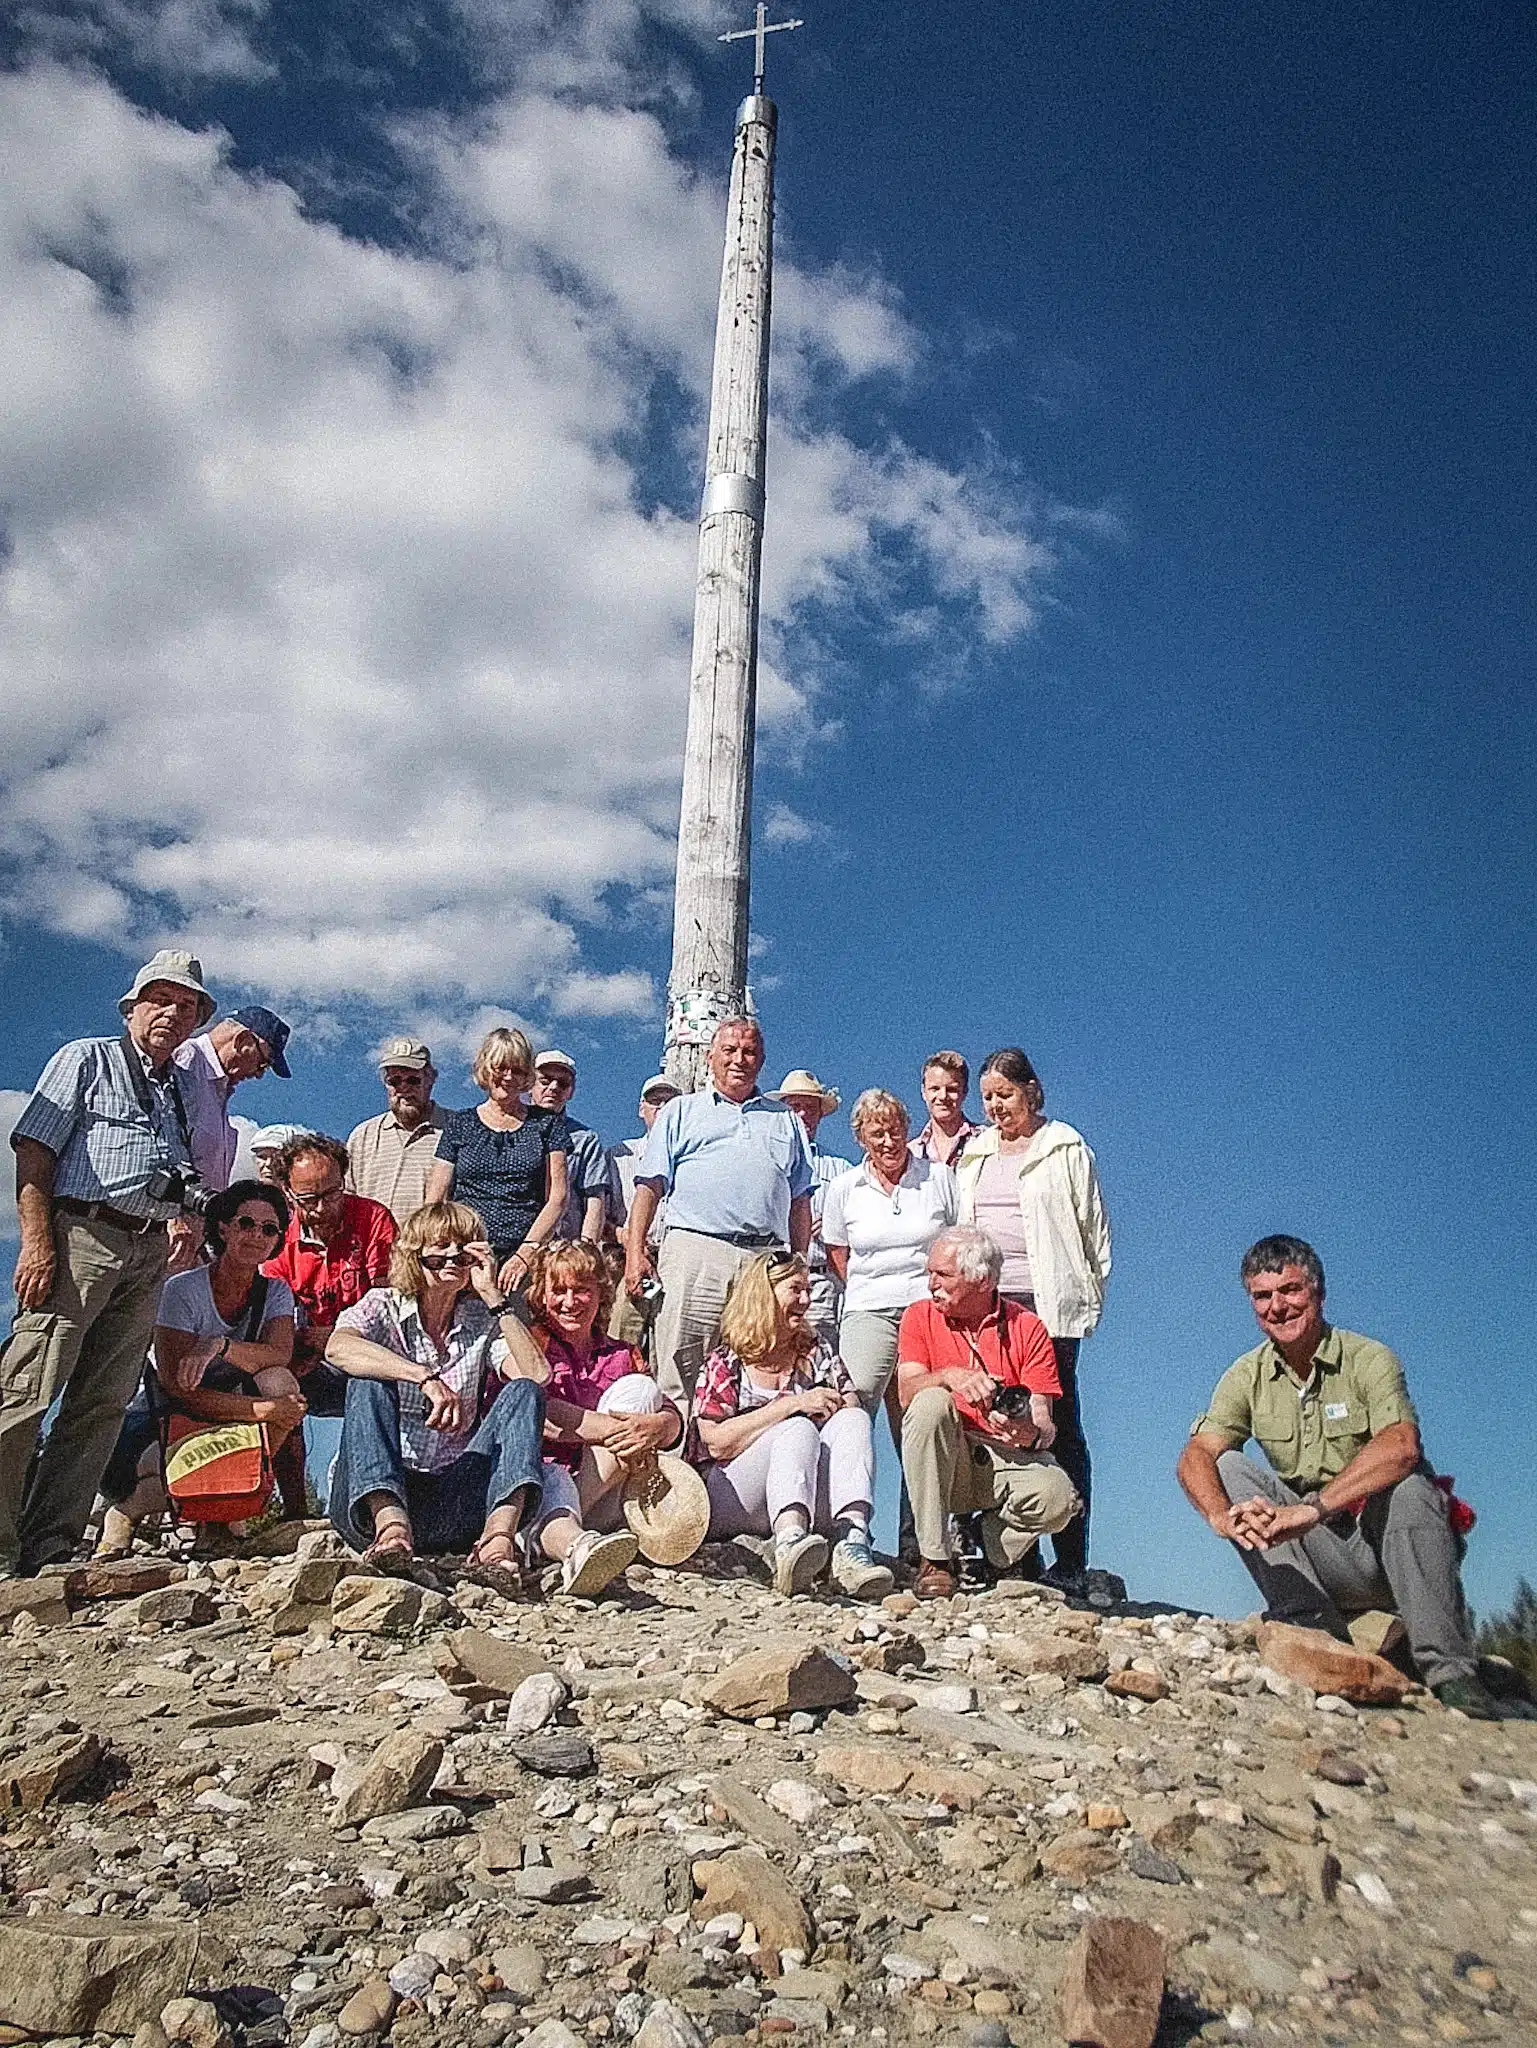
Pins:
x,y
784,1446
445,1417
209,1360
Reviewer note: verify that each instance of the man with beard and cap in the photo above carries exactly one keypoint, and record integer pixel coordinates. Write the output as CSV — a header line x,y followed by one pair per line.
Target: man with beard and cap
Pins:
x,y
101,1150
392,1153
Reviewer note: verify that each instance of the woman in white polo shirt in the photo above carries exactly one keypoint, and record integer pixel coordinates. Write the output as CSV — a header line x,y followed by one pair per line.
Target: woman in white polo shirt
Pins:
x,y
878,1221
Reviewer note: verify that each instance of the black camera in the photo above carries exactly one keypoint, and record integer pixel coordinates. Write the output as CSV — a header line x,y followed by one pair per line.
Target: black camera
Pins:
x,y
1011,1403
191,1195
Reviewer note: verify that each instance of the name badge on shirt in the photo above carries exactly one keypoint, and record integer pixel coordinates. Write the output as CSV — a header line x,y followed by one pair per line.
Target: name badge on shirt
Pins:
x,y
1336,1411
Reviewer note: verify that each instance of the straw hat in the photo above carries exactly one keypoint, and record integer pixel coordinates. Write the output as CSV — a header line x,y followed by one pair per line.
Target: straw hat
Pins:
x,y
667,1509
801,1081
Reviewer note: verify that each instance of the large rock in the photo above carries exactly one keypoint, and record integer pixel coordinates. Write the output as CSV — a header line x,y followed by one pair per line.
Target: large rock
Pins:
x,y
175,1606
1112,1988
377,1607
398,1774
470,1657
50,1769
782,1678
62,1973
1078,1857
1312,1657
740,1882
121,1578
536,1703
1137,1685
1066,1657
864,1766
44,1599
983,1949
745,1810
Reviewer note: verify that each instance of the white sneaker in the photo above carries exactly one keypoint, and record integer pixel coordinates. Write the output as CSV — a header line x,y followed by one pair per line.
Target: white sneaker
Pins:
x,y
858,1572
797,1561
593,1561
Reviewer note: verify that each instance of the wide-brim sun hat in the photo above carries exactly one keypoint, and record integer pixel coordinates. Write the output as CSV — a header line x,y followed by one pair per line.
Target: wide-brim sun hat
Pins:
x,y
801,1081
182,970
666,1509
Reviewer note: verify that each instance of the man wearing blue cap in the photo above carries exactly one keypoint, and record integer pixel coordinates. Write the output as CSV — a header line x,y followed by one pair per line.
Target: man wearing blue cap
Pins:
x,y
241,1047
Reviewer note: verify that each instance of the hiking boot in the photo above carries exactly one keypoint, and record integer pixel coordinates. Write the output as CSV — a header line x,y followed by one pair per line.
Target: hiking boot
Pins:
x,y
858,1572
594,1561
935,1581
1468,1696
797,1561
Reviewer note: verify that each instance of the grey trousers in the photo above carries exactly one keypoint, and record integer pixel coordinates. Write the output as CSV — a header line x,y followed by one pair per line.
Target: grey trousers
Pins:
x,y
867,1343
1399,1555
87,1343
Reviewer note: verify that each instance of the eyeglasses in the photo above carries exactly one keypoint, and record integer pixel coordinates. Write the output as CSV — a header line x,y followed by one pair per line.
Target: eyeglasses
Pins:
x,y
435,1262
262,1229
316,1201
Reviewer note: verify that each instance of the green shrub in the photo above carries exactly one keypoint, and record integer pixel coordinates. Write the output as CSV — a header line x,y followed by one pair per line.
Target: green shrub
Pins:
x,y
1514,1635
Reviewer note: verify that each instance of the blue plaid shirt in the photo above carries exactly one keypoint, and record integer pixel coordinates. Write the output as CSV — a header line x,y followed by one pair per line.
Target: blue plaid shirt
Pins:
x,y
85,1110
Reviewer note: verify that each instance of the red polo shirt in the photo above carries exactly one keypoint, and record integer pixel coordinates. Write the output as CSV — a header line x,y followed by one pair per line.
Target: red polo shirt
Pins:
x,y
1010,1344
326,1278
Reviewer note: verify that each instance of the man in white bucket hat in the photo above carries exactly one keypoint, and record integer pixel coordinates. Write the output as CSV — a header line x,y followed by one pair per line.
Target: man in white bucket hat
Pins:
x,y
801,1091
103,1150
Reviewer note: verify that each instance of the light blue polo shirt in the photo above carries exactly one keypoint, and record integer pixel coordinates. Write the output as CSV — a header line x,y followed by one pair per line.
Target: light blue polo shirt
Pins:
x,y
728,1168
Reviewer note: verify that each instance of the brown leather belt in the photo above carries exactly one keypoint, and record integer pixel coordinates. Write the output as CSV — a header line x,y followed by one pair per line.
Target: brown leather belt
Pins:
x,y
102,1212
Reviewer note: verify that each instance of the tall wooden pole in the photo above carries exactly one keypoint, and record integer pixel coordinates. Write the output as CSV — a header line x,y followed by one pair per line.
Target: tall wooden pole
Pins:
x,y
709,943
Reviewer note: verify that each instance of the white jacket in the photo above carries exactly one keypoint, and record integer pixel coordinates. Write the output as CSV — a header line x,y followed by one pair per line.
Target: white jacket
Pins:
x,y
1067,1232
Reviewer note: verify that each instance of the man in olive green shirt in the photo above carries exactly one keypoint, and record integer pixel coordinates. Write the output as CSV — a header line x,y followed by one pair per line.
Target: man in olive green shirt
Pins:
x,y
1349,1516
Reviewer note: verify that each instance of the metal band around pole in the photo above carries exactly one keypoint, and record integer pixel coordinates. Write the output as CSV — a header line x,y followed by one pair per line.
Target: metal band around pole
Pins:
x,y
757,107
731,492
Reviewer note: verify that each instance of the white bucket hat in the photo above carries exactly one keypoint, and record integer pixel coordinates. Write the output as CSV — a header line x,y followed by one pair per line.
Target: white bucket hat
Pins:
x,y
182,970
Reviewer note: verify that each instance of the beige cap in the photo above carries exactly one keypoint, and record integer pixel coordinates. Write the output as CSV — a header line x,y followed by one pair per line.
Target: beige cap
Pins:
x,y
402,1052
656,1086
552,1056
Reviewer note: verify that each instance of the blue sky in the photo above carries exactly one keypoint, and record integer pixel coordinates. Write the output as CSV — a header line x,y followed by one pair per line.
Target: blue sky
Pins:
x,y
1149,600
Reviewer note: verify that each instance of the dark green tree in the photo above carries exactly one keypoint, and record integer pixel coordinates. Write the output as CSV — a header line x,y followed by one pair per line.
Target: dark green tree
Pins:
x,y
1514,1635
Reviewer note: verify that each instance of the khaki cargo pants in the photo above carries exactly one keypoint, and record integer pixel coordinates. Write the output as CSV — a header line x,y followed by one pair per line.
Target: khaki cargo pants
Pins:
x,y
87,1344
1021,1495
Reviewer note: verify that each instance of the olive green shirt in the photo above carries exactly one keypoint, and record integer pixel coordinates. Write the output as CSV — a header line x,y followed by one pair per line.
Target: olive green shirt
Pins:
x,y
1310,1433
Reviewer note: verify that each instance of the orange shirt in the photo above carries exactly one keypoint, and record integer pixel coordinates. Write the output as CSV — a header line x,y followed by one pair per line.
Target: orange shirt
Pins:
x,y
1010,1344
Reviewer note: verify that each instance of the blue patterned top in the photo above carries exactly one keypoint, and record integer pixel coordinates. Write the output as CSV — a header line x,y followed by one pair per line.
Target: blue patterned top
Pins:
x,y
502,1173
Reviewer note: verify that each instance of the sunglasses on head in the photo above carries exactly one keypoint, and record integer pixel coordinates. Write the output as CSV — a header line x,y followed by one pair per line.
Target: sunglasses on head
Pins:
x,y
785,1262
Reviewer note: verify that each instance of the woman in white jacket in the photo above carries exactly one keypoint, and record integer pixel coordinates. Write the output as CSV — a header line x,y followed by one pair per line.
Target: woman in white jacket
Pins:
x,y
1030,1183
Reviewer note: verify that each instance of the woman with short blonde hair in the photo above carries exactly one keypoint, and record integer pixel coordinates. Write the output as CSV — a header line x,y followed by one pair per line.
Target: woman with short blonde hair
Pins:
x,y
444,1417
878,1221
780,1435
508,1158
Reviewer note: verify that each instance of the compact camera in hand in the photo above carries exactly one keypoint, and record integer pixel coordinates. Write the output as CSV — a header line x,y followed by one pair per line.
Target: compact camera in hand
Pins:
x,y
191,1195
1010,1403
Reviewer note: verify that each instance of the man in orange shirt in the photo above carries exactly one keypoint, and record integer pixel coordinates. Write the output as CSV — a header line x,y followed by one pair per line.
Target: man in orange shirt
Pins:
x,y
970,1442
337,1248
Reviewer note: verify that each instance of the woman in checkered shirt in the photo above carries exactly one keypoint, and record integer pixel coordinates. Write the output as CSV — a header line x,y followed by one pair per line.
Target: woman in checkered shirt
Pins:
x,y
784,1445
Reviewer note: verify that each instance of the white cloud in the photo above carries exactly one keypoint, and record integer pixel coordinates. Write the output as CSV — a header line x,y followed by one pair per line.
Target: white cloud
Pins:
x,y
786,827
12,1102
180,39
341,636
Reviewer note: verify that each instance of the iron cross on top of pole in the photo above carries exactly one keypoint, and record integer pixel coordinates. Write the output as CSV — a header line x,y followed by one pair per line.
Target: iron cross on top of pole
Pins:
x,y
758,32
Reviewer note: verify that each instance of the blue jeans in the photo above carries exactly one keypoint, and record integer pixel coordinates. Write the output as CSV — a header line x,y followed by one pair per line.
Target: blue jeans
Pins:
x,y
448,1509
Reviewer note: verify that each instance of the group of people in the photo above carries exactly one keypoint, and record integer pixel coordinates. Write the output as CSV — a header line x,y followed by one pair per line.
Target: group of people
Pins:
x,y
513,1322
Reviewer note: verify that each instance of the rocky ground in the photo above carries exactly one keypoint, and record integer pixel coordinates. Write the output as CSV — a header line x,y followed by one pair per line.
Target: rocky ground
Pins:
x,y
340,1807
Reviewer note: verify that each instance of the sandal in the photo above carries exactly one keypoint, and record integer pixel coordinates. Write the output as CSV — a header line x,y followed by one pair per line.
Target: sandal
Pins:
x,y
498,1575
392,1556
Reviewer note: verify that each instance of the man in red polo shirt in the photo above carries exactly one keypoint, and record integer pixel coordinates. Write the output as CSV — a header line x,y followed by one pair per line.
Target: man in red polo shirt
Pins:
x,y
337,1247
960,1453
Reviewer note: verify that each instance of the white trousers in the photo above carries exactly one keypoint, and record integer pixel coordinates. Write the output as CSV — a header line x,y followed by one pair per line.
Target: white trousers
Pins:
x,y
825,1472
635,1394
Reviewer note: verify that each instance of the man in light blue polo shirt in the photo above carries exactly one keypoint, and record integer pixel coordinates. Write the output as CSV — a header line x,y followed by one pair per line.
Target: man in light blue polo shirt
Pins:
x,y
736,1173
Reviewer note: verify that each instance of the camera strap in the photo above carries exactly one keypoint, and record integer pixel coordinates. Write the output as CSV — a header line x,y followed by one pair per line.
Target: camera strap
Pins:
x,y
138,1081
256,1310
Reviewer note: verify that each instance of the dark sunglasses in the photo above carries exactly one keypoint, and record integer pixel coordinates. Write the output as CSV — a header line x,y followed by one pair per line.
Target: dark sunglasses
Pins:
x,y
436,1261
250,1223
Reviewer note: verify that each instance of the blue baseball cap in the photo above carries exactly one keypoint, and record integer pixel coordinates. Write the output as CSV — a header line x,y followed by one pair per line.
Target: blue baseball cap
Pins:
x,y
271,1030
